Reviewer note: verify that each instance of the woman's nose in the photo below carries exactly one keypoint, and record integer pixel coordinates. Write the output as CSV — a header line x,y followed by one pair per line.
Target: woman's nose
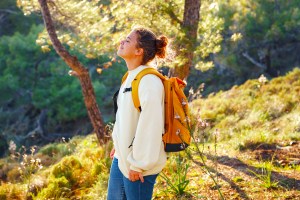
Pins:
x,y
122,42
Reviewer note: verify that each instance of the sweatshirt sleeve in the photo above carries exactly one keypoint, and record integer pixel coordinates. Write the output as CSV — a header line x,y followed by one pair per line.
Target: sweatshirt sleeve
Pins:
x,y
148,137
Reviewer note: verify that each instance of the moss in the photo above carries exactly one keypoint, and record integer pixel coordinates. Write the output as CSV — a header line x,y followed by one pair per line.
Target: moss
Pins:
x,y
57,149
66,168
57,188
14,175
12,191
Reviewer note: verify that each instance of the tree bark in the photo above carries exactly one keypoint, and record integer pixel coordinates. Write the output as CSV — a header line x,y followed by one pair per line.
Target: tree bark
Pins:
x,y
82,75
190,23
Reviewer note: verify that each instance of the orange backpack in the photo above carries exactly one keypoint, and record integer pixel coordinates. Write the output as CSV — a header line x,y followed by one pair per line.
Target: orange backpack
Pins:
x,y
177,122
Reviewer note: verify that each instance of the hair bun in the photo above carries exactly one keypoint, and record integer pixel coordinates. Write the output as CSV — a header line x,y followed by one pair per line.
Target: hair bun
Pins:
x,y
161,46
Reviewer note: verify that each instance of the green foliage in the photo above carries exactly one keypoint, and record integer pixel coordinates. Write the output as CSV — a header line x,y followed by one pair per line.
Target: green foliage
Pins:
x,y
266,176
255,111
12,19
96,27
67,168
58,188
209,35
54,149
12,191
265,29
30,76
238,179
16,50
14,175
75,175
83,172
177,176
27,73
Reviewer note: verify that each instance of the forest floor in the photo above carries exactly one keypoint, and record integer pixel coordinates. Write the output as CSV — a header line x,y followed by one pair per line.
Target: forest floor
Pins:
x,y
257,171
263,172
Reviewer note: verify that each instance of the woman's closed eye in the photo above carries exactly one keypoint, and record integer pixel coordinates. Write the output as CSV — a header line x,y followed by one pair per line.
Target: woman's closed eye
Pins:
x,y
127,39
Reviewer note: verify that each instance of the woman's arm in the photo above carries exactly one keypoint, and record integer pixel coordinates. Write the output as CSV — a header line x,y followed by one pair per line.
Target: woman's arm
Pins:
x,y
148,137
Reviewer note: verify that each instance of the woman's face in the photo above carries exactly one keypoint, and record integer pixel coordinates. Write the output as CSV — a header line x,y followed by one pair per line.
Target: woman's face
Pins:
x,y
128,46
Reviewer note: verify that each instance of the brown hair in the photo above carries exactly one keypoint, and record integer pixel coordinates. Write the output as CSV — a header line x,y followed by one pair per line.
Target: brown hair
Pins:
x,y
152,45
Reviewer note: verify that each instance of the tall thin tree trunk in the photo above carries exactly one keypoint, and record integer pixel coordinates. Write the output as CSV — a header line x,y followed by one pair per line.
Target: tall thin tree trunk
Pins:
x,y
82,74
191,19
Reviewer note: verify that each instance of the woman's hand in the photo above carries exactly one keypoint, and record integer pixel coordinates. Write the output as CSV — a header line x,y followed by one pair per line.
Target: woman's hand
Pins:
x,y
112,153
135,176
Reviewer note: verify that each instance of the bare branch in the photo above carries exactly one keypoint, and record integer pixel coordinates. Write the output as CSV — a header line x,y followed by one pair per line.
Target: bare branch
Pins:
x,y
253,61
174,17
2,18
39,129
36,131
9,11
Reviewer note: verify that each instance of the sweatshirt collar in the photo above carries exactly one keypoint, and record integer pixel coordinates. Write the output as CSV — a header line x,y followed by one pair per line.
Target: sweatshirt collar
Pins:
x,y
135,71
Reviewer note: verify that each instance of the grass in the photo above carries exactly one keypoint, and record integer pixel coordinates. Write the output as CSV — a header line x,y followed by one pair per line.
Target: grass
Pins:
x,y
71,175
265,174
251,120
176,176
270,110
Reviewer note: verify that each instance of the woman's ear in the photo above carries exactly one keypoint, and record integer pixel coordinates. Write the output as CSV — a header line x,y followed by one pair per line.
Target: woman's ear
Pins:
x,y
139,51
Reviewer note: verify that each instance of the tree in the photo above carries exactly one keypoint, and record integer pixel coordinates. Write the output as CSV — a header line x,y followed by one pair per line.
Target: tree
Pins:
x,y
81,72
189,25
268,34
95,27
11,19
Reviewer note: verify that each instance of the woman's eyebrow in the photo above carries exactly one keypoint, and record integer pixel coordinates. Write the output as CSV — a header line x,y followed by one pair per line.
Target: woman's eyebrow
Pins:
x,y
128,38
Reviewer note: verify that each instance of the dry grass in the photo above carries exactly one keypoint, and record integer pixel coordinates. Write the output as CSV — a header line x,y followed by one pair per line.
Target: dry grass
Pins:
x,y
256,157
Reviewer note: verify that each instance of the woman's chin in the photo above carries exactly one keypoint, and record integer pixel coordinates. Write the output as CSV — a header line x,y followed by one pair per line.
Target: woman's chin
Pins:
x,y
119,53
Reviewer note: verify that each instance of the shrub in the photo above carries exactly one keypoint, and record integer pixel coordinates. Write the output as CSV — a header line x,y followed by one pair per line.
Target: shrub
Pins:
x,y
14,175
57,188
12,191
67,168
57,149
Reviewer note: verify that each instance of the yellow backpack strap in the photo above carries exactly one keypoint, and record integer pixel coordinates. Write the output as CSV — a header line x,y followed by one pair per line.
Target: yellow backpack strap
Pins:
x,y
135,85
124,77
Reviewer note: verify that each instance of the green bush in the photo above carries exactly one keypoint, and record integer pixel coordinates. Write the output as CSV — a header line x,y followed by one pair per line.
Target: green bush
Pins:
x,y
66,168
12,191
78,174
267,110
57,149
58,188
29,76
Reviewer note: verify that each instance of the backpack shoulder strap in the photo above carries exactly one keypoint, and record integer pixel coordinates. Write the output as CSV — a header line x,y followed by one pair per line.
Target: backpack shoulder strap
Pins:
x,y
124,77
135,85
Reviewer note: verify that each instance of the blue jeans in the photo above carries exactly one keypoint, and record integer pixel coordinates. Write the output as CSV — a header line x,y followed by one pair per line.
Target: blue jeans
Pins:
x,y
121,188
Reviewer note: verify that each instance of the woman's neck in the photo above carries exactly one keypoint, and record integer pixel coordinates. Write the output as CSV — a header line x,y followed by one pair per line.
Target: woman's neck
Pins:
x,y
132,64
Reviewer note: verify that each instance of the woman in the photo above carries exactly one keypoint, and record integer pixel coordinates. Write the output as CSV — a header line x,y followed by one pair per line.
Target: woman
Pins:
x,y
138,154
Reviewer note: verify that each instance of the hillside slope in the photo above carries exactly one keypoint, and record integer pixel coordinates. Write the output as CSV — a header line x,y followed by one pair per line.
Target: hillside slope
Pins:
x,y
259,108
251,148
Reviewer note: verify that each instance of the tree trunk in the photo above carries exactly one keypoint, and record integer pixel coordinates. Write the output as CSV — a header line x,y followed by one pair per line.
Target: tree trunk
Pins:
x,y
190,23
82,74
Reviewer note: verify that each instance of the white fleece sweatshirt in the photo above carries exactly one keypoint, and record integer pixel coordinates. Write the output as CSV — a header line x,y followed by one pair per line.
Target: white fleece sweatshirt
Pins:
x,y
137,136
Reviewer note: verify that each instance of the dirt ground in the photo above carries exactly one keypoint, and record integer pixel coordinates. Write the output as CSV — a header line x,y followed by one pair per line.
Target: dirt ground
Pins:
x,y
239,177
282,155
